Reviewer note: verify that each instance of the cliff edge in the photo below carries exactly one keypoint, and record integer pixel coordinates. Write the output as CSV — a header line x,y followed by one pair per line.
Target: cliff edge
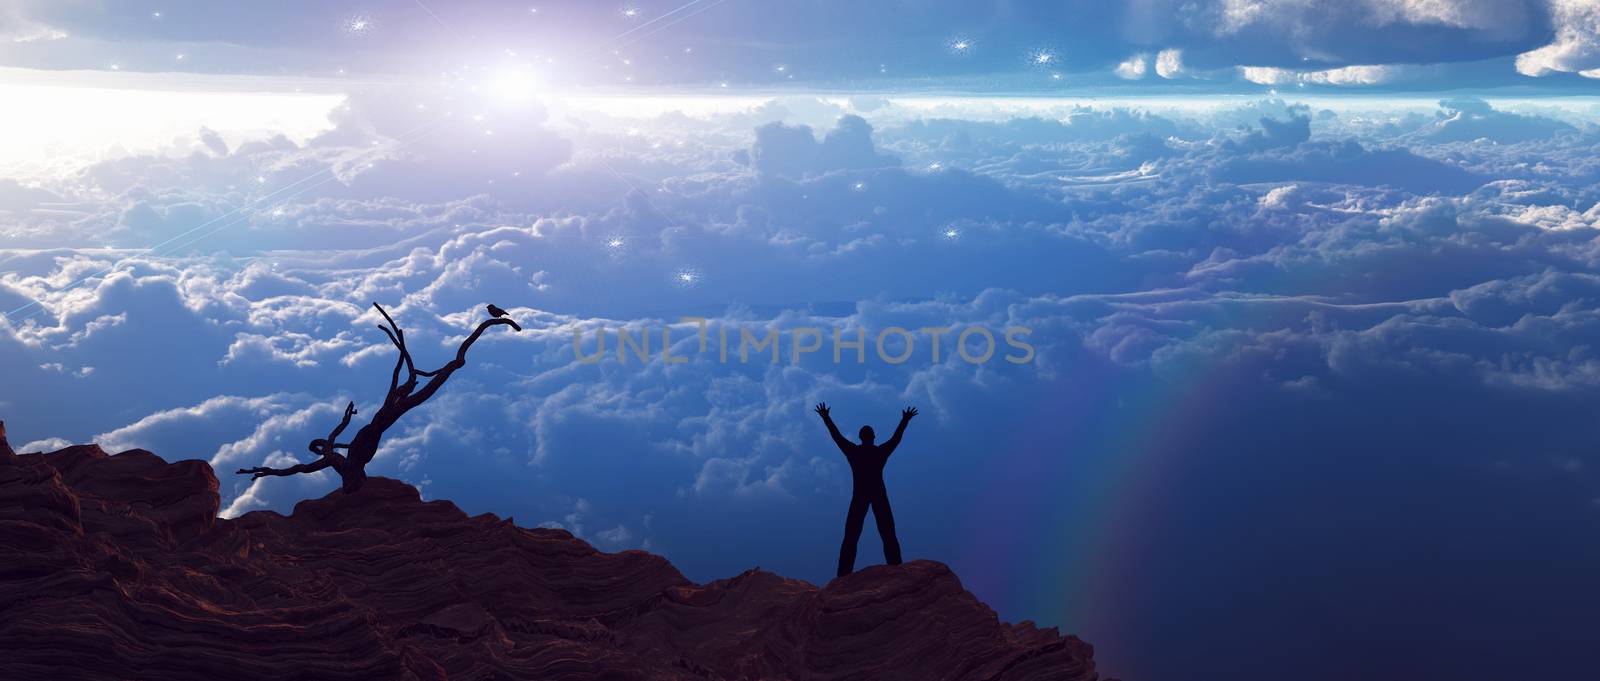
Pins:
x,y
116,567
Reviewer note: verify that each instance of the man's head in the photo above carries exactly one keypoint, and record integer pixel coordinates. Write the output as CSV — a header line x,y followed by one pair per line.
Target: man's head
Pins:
x,y
867,435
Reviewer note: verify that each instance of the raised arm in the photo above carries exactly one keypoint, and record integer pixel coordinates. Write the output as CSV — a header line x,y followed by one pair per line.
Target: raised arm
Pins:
x,y
833,430
894,440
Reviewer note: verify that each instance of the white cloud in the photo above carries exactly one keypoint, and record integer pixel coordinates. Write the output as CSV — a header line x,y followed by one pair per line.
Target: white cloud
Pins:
x,y
1169,63
1347,75
277,493
1494,16
1133,68
1576,47
618,537
1279,197
16,27
1473,14
46,445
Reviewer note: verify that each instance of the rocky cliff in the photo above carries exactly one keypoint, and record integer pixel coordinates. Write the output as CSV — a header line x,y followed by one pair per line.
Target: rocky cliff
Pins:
x,y
116,567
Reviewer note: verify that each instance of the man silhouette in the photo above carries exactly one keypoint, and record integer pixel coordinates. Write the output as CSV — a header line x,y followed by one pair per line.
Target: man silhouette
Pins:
x,y
866,473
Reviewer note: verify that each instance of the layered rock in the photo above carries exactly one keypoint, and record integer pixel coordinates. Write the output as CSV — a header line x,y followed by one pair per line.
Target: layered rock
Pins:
x,y
116,567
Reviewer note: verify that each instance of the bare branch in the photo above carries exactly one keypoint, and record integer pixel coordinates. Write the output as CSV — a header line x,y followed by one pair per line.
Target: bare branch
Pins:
x,y
403,361
401,334
333,437
442,374
461,352
397,335
399,400
264,471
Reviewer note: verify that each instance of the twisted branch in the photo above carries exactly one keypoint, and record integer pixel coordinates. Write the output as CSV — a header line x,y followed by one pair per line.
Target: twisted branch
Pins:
x,y
397,401
324,449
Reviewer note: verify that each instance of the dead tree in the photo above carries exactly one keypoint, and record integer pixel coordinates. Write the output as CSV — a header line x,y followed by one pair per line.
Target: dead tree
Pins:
x,y
403,397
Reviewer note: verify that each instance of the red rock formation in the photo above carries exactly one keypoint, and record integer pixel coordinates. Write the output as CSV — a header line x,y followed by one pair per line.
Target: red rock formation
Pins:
x,y
116,567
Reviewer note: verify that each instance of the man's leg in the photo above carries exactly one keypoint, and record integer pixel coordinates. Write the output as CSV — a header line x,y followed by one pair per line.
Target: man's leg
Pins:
x,y
852,533
885,518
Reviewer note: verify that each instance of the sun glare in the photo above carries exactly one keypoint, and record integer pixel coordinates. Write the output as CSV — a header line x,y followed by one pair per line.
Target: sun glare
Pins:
x,y
514,85
62,128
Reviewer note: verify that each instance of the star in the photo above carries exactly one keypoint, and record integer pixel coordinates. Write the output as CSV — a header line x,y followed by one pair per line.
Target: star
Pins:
x,y
686,277
357,26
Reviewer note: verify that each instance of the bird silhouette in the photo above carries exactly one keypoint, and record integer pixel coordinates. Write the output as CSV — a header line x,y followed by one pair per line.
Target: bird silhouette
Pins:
x,y
495,311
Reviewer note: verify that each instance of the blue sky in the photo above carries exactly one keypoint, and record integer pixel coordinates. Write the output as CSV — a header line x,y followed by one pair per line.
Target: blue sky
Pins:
x,y
1415,44
1312,286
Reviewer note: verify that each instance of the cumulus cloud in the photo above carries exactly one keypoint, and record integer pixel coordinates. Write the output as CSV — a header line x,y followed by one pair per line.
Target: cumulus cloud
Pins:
x,y
1470,118
1369,31
1133,68
793,151
1576,47
17,27
1477,14
1169,63
1345,75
